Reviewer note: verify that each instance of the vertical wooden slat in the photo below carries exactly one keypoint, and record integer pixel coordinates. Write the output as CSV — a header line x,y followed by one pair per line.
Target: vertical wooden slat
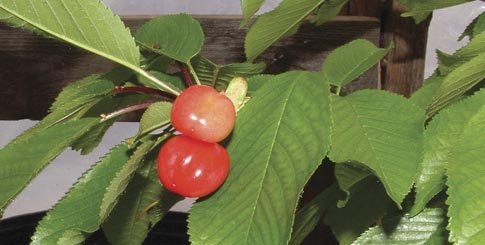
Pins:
x,y
403,69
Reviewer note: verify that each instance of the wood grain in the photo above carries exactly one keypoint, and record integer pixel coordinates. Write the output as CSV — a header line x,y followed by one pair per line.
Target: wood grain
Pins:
x,y
33,69
403,69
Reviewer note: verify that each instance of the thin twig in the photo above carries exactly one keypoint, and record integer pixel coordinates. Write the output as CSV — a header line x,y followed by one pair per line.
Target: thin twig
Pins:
x,y
185,74
144,105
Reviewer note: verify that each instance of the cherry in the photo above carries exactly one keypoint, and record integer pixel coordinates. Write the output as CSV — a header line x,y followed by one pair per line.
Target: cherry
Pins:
x,y
191,167
202,113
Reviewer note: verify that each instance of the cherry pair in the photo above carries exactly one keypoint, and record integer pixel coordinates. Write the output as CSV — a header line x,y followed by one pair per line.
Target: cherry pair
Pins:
x,y
193,164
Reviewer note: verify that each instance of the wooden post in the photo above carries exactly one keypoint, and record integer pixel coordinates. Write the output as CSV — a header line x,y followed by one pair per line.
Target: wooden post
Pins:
x,y
403,69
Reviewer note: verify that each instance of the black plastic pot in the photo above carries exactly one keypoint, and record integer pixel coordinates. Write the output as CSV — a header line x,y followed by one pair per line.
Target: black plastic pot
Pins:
x,y
171,230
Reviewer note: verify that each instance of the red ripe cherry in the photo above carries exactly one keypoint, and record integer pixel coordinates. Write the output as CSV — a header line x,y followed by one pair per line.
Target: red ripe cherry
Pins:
x,y
202,113
191,167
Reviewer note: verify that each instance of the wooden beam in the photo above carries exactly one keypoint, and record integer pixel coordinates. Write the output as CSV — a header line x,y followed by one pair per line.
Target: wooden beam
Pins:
x,y
33,69
372,8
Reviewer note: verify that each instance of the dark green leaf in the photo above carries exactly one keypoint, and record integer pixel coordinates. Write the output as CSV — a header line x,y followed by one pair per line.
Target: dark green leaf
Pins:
x,y
465,175
91,139
22,160
211,73
328,10
273,26
155,117
348,62
72,103
77,214
86,24
179,37
133,217
256,82
476,27
426,228
386,134
81,92
311,214
119,182
348,175
227,72
280,139
368,203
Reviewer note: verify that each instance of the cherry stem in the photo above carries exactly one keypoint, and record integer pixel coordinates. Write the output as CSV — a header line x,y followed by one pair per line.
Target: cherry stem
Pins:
x,y
185,74
145,90
136,107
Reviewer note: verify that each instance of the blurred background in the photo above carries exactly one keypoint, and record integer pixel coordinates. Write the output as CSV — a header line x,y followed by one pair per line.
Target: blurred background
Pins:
x,y
55,180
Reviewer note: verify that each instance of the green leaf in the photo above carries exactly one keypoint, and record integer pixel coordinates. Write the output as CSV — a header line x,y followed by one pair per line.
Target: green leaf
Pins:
x,y
458,82
348,175
367,204
420,10
155,117
424,95
311,214
81,92
87,24
280,139
249,8
348,62
91,139
77,214
440,137
426,228
328,10
179,37
133,217
465,178
119,182
22,160
211,73
72,103
256,82
229,71
275,25
476,27
447,63
386,134
174,82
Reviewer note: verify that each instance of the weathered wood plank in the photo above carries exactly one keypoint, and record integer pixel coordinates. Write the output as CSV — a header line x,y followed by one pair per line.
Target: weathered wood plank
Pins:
x,y
33,69
403,69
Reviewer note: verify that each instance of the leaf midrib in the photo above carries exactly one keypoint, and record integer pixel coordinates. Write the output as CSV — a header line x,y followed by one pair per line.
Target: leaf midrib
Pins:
x,y
385,178
283,110
69,40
